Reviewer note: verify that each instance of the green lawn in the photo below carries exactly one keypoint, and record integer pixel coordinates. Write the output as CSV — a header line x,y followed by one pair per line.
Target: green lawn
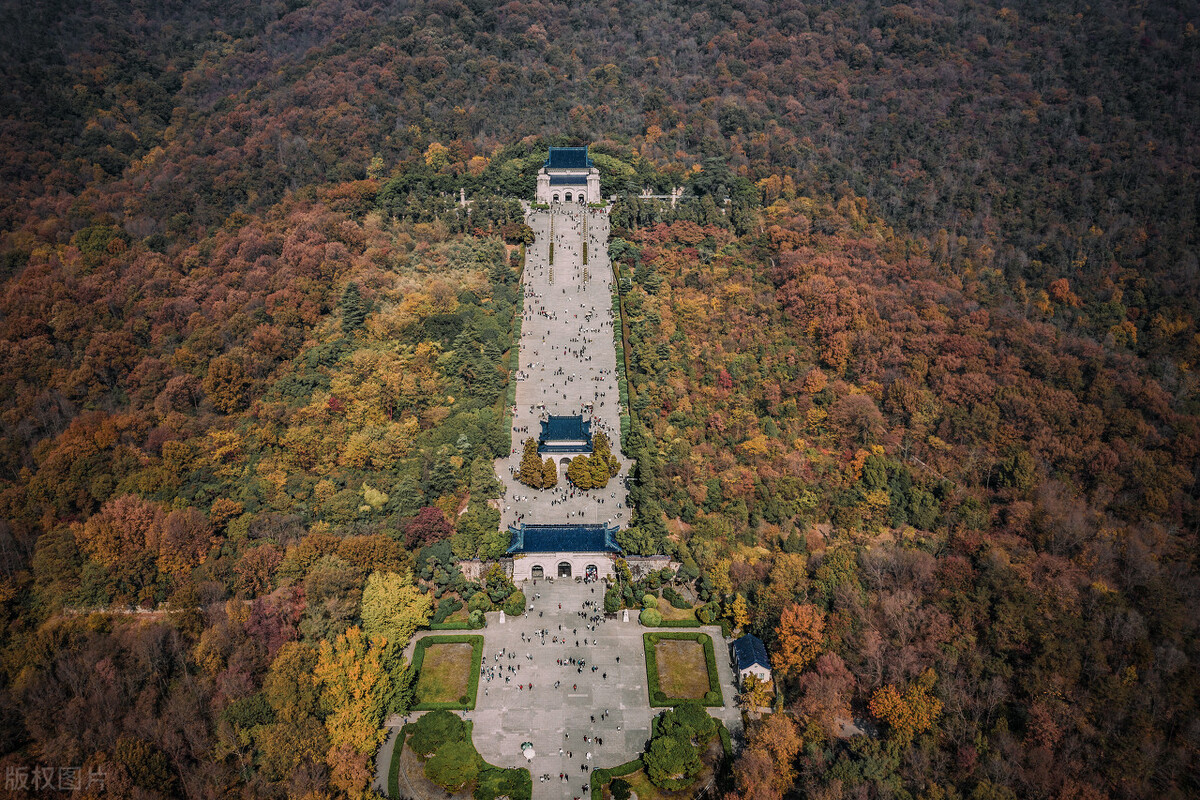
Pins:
x,y
445,673
447,668
682,671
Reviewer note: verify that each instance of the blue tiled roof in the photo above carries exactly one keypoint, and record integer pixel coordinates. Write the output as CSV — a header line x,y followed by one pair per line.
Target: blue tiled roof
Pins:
x,y
568,158
568,180
566,429
566,538
749,650
564,448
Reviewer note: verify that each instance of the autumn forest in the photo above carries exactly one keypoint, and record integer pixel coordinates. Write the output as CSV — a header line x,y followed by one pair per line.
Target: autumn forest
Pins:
x,y
909,373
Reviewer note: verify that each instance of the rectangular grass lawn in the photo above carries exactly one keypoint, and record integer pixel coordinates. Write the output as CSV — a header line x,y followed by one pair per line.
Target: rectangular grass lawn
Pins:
x,y
447,671
682,673
681,666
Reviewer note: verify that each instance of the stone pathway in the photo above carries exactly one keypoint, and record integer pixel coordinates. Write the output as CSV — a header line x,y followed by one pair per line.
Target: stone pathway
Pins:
x,y
567,359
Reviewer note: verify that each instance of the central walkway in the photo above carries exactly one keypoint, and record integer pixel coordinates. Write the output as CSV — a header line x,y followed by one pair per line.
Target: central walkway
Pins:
x,y
567,360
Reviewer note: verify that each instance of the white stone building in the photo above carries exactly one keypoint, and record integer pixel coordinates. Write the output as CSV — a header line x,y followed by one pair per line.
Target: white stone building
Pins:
x,y
563,551
568,177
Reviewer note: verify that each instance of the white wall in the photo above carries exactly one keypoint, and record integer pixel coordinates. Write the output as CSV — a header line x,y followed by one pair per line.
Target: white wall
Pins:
x,y
523,565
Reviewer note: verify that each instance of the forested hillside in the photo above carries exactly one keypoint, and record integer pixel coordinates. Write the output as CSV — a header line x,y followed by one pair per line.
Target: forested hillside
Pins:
x,y
911,372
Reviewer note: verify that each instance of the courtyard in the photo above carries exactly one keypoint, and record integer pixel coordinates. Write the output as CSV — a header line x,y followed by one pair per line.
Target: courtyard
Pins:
x,y
610,704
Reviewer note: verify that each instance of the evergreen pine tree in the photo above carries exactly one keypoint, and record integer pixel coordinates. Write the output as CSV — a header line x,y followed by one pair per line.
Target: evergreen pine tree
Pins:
x,y
354,311
531,465
579,472
598,467
549,474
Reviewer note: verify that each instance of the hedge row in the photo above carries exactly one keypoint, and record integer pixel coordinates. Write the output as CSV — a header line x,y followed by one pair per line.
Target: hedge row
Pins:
x,y
476,643
601,776
460,625
726,741
680,623
657,698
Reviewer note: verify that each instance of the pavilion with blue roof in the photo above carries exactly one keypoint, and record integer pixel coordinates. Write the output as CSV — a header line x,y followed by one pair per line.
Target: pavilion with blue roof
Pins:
x,y
563,551
568,176
565,434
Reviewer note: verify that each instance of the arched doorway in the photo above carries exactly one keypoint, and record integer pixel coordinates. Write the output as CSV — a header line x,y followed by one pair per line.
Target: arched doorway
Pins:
x,y
538,572
556,198
564,569
590,572
563,463
568,197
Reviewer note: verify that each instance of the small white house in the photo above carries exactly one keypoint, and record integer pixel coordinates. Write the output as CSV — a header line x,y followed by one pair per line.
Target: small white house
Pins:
x,y
750,658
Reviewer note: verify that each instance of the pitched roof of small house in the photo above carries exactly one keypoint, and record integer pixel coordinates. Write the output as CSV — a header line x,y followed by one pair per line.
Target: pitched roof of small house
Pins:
x,y
748,651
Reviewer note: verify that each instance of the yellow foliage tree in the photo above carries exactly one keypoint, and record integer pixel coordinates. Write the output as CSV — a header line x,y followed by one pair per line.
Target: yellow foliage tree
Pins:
x,y
739,612
910,713
393,607
354,688
755,693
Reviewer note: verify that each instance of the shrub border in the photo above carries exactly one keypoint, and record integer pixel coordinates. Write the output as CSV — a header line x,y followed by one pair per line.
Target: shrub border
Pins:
x,y
710,660
393,786
603,775
476,642
460,625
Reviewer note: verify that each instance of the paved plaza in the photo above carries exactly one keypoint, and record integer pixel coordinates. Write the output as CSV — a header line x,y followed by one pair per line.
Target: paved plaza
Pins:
x,y
553,717
567,360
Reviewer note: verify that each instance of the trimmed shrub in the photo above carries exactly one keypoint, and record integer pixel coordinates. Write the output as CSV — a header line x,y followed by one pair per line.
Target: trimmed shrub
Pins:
x,y
649,601
514,606
650,617
726,741
675,598
708,613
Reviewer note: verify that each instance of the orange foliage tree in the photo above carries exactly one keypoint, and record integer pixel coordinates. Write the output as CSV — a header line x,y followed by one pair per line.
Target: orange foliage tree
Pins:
x,y
801,637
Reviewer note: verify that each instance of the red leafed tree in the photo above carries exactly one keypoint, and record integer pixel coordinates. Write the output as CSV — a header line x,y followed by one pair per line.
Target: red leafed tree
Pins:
x,y
429,526
123,537
825,693
183,541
